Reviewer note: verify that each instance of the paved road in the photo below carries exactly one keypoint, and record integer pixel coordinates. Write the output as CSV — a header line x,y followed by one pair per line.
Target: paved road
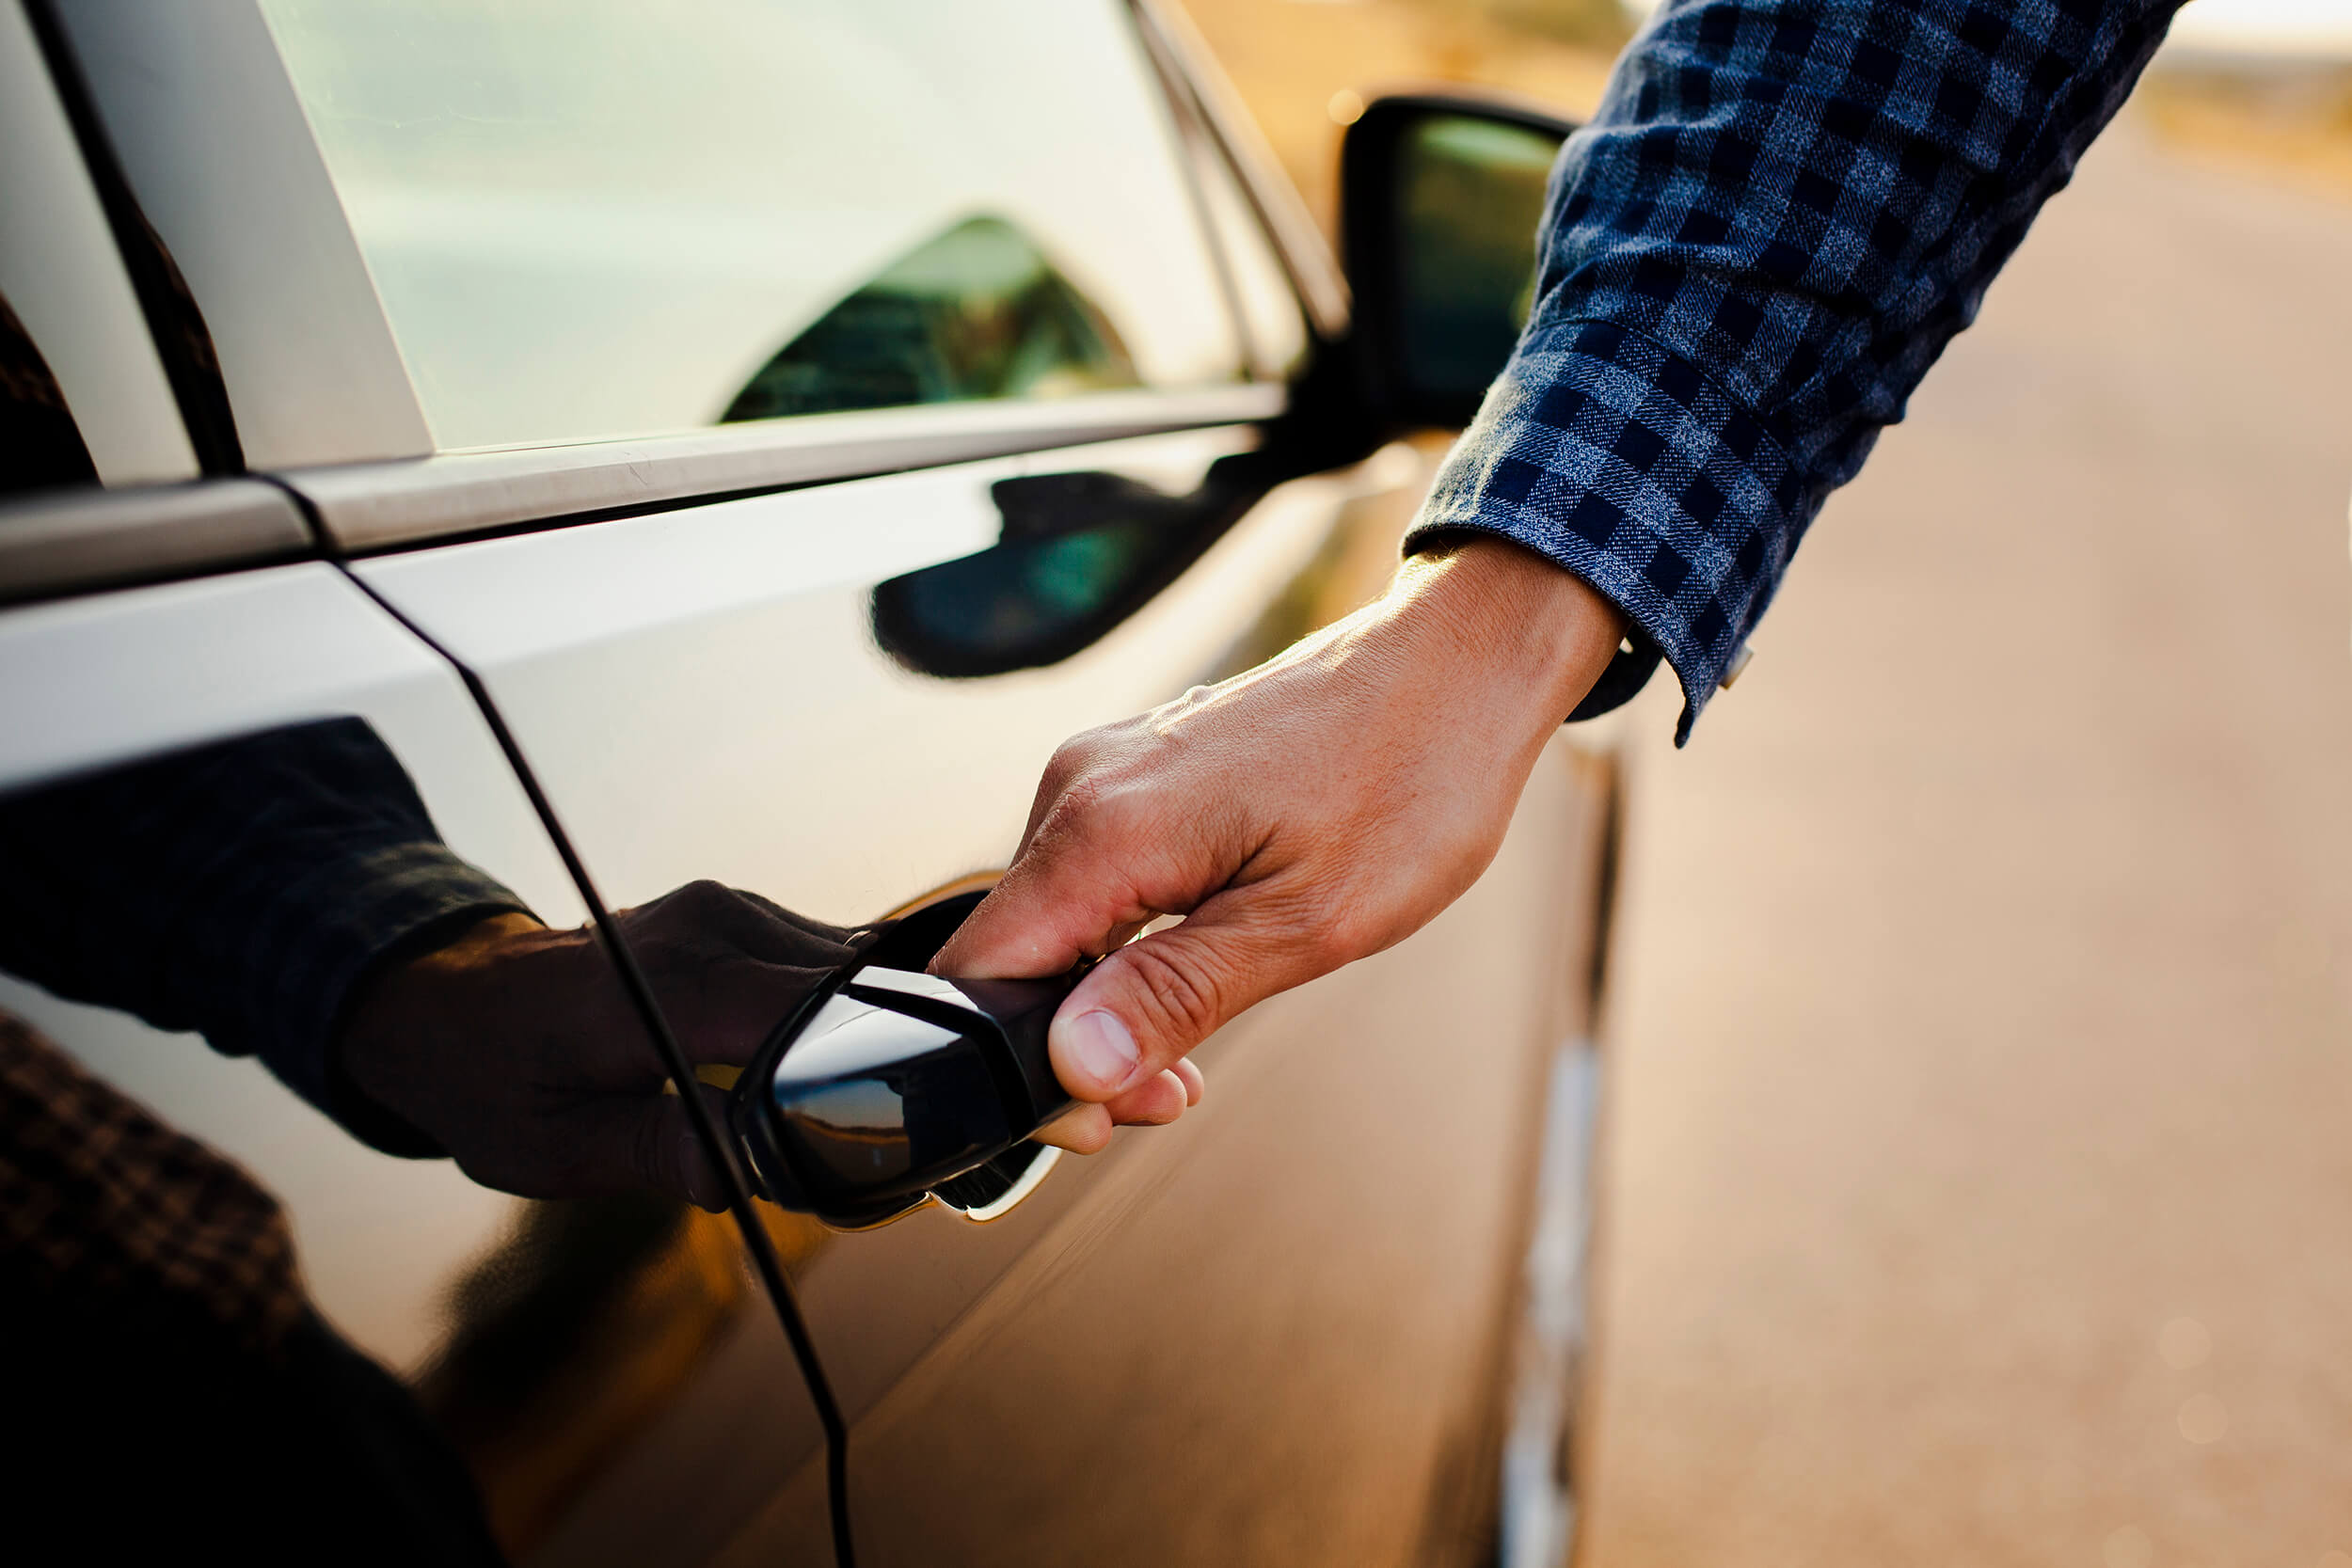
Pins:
x,y
1985,990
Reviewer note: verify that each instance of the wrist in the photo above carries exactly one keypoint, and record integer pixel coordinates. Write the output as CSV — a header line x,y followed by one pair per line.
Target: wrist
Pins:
x,y
414,987
1525,625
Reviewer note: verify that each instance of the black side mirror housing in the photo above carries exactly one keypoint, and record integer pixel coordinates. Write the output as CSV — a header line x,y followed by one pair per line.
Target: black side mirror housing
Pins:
x,y
1440,198
1440,195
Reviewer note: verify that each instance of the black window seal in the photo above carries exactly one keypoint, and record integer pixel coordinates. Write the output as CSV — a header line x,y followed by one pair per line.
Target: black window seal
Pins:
x,y
183,342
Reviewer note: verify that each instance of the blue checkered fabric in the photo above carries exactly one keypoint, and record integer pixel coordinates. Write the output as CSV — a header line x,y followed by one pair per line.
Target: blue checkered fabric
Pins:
x,y
1782,213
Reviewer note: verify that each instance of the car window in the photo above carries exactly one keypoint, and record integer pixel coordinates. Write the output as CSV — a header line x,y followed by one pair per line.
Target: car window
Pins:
x,y
589,218
1262,287
977,311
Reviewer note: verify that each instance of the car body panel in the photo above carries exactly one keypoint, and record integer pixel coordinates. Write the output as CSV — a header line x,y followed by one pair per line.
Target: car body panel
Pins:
x,y
701,688
701,693
665,1346
1261,1336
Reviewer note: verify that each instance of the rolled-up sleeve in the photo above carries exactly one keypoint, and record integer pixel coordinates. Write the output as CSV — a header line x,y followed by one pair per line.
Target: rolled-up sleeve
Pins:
x,y
1781,214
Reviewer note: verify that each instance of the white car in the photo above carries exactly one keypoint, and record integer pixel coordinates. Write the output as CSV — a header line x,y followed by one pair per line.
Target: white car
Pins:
x,y
739,442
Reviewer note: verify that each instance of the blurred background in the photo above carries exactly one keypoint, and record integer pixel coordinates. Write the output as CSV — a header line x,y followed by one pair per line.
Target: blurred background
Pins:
x,y
1979,1155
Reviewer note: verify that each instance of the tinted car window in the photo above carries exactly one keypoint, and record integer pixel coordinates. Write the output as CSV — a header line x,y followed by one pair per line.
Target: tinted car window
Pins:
x,y
977,311
590,217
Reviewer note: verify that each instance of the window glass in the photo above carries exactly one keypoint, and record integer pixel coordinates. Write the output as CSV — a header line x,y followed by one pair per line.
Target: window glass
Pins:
x,y
598,217
1269,306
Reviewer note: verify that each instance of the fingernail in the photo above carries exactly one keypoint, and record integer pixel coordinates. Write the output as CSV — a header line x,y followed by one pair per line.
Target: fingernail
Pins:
x,y
1102,1049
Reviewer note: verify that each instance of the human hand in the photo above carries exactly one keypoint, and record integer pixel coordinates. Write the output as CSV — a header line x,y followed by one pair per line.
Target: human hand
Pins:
x,y
1300,816
515,1049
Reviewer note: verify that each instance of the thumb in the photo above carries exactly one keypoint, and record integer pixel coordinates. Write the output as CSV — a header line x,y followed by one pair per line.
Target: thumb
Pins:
x,y
1147,1004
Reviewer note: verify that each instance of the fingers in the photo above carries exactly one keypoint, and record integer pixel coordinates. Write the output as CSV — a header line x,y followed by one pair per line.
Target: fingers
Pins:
x,y
1103,858
1155,1102
1081,1129
1187,1072
1039,921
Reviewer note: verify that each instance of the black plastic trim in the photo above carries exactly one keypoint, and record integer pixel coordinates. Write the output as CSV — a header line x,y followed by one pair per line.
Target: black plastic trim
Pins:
x,y
183,342
1368,220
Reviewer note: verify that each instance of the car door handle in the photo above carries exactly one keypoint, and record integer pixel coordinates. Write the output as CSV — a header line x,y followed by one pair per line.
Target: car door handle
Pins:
x,y
890,1086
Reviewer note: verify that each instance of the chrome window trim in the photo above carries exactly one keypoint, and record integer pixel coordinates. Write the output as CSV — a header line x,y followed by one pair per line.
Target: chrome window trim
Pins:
x,y
369,507
61,542
1298,239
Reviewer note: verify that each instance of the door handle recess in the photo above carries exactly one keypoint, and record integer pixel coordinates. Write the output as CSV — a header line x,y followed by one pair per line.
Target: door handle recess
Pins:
x,y
892,1087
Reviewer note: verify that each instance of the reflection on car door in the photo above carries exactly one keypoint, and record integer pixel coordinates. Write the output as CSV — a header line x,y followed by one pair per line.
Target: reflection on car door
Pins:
x,y
586,1359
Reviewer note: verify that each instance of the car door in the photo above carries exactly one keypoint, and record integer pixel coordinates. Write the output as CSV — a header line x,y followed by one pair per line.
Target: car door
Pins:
x,y
1255,1292
798,423
618,1386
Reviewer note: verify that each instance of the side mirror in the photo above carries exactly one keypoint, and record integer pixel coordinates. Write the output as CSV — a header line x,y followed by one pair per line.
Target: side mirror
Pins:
x,y
1440,195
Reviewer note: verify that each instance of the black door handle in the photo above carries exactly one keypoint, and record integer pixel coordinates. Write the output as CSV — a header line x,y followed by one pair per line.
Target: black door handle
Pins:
x,y
892,1086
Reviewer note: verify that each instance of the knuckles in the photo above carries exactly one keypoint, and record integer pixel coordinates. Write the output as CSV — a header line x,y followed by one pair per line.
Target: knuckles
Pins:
x,y
1097,807
1067,765
1109,787
1182,995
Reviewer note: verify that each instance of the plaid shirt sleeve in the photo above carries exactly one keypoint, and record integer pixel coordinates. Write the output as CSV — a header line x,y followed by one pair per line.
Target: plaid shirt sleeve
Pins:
x,y
1781,214
242,890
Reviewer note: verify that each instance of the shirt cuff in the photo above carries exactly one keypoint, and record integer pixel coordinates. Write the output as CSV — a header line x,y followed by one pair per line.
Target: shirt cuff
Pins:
x,y
367,908
1601,449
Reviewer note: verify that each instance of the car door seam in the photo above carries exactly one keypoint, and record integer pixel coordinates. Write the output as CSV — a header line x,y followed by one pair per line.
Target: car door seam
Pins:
x,y
741,1203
